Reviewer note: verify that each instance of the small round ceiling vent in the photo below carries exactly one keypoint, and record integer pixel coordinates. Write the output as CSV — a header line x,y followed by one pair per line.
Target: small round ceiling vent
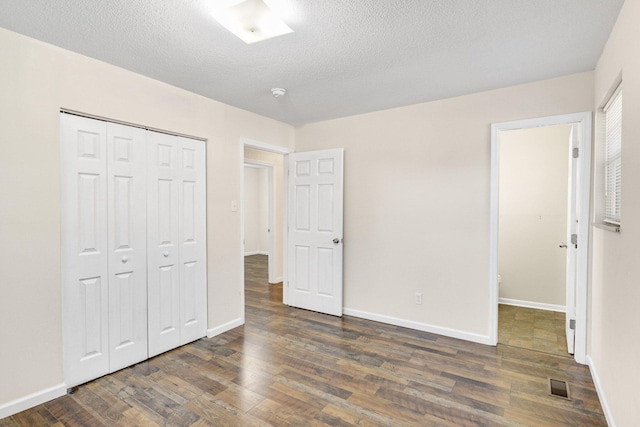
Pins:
x,y
278,92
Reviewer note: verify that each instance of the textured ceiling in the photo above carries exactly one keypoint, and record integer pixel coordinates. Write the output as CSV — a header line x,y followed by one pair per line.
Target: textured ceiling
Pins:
x,y
345,57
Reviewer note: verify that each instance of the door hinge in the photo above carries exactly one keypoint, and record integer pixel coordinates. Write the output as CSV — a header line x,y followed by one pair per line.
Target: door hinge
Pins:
x,y
572,324
574,239
576,153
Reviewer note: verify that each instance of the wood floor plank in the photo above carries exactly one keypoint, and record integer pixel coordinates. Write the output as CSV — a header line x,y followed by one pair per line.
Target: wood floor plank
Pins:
x,y
70,412
290,367
108,412
334,415
136,416
36,416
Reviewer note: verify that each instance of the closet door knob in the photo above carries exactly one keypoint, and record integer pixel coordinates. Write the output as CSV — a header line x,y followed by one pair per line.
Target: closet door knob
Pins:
x,y
124,259
165,254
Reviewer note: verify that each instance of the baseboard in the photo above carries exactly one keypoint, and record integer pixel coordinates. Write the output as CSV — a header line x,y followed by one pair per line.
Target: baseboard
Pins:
x,y
603,400
224,328
256,253
531,304
277,280
452,333
31,400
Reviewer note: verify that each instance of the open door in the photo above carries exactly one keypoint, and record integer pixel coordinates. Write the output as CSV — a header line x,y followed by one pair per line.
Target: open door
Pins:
x,y
314,244
572,238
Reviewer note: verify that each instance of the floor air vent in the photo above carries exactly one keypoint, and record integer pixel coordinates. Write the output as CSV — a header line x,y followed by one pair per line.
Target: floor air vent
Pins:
x,y
559,388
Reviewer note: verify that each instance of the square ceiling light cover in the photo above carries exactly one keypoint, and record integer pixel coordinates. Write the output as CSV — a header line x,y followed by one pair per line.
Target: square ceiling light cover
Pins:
x,y
250,20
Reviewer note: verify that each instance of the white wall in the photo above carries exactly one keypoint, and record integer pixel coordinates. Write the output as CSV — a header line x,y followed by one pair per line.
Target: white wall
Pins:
x,y
263,210
256,211
277,160
36,80
534,172
614,342
417,200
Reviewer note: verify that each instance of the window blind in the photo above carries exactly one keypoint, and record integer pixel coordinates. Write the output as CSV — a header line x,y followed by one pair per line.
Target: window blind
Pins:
x,y
613,158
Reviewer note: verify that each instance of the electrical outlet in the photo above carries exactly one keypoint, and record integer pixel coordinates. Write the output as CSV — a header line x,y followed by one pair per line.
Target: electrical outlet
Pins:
x,y
418,298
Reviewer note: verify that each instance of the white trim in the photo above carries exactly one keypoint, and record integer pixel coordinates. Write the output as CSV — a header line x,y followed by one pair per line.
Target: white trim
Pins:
x,y
250,253
258,164
447,332
277,280
224,327
241,208
613,96
494,222
531,304
252,143
608,414
285,231
584,122
251,165
31,400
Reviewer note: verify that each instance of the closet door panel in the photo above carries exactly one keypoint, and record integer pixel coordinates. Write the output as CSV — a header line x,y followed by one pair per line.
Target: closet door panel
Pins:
x,y
192,237
85,280
127,225
163,258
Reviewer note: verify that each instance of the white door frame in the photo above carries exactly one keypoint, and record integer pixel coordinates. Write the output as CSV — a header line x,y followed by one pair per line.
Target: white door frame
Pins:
x,y
259,145
259,164
583,120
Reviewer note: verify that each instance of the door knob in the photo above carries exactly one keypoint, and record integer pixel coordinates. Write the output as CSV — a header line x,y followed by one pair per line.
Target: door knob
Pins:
x,y
124,259
336,241
165,254
563,245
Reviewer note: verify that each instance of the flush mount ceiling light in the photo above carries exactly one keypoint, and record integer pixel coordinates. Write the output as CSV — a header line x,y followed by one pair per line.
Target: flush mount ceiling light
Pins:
x,y
251,20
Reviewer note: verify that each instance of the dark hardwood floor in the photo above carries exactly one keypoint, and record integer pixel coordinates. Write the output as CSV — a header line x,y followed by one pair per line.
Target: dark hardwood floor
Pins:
x,y
290,367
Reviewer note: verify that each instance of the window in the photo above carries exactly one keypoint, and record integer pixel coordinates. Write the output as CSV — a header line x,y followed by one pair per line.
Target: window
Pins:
x,y
613,158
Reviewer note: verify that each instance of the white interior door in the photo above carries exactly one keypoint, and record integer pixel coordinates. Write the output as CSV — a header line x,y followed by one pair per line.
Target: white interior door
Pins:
x,y
163,243
176,236
84,248
127,243
572,230
192,239
314,247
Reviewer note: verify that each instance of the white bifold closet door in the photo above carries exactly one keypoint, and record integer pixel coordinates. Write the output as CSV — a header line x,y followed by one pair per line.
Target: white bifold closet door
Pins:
x,y
104,247
176,241
133,245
